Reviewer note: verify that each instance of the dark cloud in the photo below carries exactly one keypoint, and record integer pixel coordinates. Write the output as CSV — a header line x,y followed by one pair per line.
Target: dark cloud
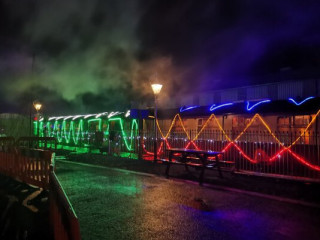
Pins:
x,y
222,42
180,28
52,101
95,55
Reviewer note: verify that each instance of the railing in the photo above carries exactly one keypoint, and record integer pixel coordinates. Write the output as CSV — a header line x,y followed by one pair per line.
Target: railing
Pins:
x,y
280,154
37,142
36,167
7,156
33,166
290,154
63,218
283,154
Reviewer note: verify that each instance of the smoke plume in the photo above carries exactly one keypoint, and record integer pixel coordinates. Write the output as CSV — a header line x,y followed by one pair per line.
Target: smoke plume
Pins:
x,y
101,55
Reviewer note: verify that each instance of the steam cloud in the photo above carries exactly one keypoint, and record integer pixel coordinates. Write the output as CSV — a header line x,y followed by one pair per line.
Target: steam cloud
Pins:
x,y
99,55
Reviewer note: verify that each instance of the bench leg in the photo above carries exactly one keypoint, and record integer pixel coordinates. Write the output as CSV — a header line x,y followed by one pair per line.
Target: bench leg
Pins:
x,y
168,165
186,167
184,160
218,167
204,163
201,176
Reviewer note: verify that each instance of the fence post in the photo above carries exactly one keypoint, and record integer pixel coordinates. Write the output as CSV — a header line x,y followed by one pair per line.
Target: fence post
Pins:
x,y
141,142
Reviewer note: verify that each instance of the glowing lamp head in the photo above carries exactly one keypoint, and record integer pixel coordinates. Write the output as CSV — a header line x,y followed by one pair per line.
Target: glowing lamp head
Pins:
x,y
156,88
37,105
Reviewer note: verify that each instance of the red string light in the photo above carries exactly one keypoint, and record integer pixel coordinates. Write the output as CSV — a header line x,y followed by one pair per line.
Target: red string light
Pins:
x,y
232,142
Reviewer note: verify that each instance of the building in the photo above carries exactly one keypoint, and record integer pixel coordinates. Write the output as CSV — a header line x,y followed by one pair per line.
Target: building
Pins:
x,y
273,91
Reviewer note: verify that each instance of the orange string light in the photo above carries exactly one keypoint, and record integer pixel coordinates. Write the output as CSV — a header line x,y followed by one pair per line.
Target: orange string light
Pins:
x,y
233,142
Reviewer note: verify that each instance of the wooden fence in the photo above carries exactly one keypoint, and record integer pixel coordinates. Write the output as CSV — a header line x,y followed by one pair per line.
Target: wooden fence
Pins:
x,y
36,167
7,156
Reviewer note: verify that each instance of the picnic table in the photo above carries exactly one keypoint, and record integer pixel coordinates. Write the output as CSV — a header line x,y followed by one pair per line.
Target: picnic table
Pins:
x,y
196,158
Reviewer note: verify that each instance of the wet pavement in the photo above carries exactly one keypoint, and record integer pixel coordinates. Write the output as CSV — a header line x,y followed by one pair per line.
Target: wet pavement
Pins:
x,y
23,211
306,191
121,204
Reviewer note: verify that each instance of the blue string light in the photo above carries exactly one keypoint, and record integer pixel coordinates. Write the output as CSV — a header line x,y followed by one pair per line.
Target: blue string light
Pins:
x,y
256,104
182,109
303,101
214,107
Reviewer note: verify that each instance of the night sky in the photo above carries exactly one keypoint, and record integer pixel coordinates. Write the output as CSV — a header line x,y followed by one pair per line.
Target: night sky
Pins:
x,y
80,56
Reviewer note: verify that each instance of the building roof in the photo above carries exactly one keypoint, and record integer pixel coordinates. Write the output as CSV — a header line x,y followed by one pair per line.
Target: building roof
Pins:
x,y
291,106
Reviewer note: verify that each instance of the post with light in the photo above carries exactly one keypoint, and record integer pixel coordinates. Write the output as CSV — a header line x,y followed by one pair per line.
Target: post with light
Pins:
x,y
37,105
156,88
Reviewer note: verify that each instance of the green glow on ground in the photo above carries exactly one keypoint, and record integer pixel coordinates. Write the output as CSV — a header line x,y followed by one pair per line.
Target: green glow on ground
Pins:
x,y
82,150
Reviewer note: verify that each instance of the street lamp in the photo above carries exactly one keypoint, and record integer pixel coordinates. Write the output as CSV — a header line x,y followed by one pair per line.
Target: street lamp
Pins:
x,y
156,88
37,105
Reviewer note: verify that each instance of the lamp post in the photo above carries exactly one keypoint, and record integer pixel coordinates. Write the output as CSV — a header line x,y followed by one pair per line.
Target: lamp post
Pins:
x,y
156,88
37,105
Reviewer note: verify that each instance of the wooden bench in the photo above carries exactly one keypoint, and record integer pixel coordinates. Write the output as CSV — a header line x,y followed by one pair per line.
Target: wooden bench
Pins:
x,y
194,158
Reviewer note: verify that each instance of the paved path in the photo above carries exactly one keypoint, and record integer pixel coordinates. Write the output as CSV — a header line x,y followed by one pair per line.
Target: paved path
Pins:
x,y
119,204
23,211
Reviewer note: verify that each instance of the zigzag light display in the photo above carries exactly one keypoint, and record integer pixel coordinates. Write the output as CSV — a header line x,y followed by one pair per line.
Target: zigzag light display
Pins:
x,y
134,128
76,130
234,142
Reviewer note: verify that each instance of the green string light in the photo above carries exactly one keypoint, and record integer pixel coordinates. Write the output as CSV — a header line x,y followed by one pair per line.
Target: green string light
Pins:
x,y
35,128
96,120
41,128
67,136
80,130
57,131
124,136
76,132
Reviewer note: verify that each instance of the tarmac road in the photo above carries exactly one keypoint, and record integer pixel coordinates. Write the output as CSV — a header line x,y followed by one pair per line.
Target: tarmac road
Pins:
x,y
23,211
119,204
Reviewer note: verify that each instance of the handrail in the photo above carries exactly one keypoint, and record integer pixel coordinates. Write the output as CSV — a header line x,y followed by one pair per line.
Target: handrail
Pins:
x,y
37,142
63,217
7,139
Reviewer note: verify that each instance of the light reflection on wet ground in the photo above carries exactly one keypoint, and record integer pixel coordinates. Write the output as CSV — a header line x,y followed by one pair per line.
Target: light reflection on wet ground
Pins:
x,y
115,204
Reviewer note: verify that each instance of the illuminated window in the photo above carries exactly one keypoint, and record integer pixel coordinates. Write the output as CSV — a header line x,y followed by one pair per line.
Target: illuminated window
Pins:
x,y
284,121
302,121
255,123
238,121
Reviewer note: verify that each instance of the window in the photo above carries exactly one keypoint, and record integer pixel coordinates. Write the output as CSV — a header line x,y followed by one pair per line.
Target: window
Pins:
x,y
283,121
301,121
238,122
